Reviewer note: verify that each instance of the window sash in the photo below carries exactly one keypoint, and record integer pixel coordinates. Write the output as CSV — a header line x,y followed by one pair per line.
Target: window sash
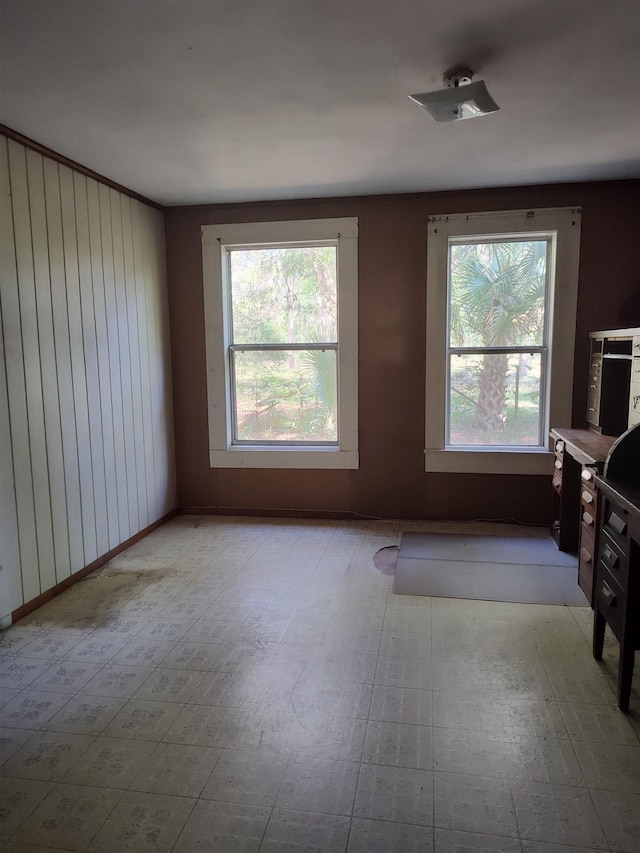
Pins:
x,y
497,350
227,278
232,349
544,374
499,237
322,346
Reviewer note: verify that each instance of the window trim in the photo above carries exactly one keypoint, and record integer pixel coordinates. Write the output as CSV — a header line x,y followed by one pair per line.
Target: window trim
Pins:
x,y
564,226
215,239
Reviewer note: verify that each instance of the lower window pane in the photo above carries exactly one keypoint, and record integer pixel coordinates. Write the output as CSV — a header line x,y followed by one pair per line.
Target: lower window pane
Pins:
x,y
286,396
494,399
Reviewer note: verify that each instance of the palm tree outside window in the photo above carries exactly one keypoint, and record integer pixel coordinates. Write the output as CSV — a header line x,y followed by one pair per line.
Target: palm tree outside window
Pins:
x,y
502,290
497,342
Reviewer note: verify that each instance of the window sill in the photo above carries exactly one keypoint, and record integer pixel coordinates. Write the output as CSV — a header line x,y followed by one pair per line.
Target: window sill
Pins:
x,y
534,461
278,457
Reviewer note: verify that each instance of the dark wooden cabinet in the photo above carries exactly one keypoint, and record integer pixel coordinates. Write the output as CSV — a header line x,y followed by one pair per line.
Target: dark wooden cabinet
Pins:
x,y
579,455
617,590
614,381
577,462
596,496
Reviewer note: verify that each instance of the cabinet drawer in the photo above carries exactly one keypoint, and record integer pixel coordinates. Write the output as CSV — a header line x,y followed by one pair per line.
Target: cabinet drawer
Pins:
x,y
611,602
616,524
593,396
588,500
614,559
634,404
593,415
588,543
586,562
588,476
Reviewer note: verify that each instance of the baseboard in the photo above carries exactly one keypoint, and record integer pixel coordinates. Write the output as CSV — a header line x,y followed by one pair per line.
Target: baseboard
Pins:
x,y
41,599
274,513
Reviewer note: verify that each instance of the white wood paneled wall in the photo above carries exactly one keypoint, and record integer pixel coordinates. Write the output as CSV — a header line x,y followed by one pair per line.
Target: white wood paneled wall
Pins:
x,y
86,429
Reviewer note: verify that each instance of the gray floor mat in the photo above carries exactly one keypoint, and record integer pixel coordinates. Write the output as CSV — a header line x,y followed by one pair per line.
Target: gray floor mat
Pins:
x,y
493,568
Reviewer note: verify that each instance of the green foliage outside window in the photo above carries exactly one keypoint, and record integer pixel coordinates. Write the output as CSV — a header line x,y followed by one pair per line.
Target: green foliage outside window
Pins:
x,y
497,299
285,296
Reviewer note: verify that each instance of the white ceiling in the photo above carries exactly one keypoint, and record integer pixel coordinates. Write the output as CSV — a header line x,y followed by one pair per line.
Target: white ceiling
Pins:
x,y
190,101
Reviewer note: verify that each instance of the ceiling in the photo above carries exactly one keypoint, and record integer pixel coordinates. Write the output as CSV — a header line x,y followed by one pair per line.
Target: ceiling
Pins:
x,y
195,101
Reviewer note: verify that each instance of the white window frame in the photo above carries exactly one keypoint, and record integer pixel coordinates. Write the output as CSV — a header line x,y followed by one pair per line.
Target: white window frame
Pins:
x,y
562,225
216,240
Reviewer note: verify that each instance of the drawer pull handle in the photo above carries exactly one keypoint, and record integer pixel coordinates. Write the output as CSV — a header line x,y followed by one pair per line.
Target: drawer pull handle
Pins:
x,y
586,556
608,595
617,523
558,464
609,557
587,497
587,474
587,518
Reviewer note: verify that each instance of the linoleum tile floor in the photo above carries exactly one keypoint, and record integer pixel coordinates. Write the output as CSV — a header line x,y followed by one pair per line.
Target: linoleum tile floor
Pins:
x,y
243,685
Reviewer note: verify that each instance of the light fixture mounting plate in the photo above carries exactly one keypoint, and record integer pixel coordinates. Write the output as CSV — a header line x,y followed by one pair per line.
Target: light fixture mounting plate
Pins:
x,y
461,76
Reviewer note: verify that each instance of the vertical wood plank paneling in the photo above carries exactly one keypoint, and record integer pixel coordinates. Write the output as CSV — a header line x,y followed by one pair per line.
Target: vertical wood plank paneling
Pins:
x,y
155,356
167,447
134,359
161,369
125,361
45,568
86,441
53,431
104,367
14,485
143,340
108,262
10,581
91,363
78,376
63,364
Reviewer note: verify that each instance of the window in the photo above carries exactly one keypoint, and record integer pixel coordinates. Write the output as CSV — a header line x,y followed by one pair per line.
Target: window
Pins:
x,y
497,349
281,320
501,303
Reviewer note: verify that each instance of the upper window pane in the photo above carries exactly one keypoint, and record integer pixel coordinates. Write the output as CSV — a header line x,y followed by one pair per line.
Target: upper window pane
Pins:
x,y
497,293
283,295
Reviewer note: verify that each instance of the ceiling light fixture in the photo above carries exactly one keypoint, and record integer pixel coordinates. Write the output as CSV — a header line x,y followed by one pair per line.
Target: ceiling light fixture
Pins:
x,y
459,99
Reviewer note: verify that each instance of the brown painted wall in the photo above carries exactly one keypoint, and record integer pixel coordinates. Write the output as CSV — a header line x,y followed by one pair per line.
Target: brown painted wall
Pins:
x,y
391,481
